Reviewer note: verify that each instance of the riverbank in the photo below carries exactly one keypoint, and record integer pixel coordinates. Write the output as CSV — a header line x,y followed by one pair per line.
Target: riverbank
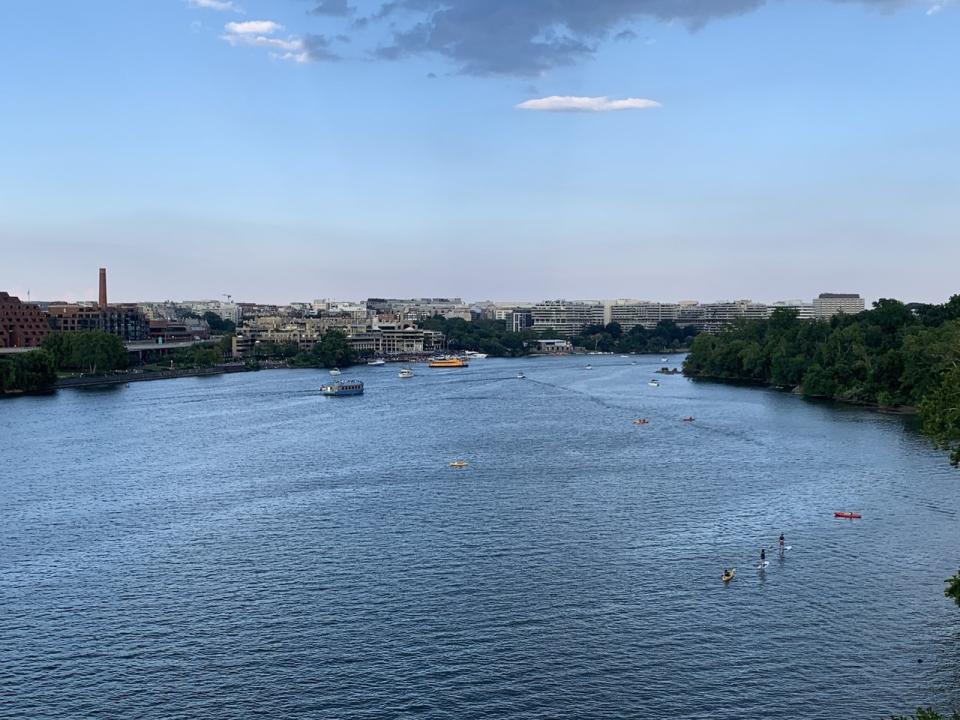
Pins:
x,y
797,390
144,376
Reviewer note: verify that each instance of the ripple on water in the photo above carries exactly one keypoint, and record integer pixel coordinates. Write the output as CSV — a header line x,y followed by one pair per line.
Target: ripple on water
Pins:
x,y
240,546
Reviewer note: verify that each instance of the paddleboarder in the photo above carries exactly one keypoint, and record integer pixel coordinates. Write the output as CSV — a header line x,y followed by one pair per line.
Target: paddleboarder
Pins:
x,y
781,542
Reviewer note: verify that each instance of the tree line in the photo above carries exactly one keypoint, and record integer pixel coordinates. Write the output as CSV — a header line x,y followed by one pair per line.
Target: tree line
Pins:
x,y
891,355
666,336
486,336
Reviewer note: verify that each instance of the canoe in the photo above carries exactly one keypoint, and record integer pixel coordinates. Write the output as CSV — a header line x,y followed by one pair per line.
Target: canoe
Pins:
x,y
848,515
727,577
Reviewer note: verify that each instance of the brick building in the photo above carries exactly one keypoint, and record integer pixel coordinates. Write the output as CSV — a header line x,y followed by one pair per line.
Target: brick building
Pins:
x,y
21,324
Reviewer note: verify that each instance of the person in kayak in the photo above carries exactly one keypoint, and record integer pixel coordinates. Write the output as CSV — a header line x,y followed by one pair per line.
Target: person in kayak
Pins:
x,y
781,542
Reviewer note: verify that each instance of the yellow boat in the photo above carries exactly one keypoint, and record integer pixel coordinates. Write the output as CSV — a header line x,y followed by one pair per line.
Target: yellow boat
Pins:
x,y
448,362
458,464
728,575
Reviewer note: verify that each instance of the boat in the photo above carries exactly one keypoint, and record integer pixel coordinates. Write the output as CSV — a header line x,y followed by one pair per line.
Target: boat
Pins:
x,y
339,388
377,362
458,464
474,355
848,515
588,367
663,360
641,421
405,373
654,383
335,371
728,575
688,418
521,376
448,362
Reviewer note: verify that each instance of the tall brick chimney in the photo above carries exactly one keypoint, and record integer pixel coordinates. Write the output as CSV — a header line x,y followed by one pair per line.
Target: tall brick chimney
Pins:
x,y
103,287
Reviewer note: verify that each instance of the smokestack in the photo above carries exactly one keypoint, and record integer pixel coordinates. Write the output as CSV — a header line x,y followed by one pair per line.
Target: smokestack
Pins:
x,y
103,287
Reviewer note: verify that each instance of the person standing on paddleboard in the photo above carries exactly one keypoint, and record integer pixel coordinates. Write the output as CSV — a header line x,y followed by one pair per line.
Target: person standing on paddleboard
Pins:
x,y
763,555
781,542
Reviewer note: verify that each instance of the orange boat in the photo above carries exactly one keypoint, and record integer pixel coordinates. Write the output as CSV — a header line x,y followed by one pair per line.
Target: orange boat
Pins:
x,y
448,362
641,421
848,515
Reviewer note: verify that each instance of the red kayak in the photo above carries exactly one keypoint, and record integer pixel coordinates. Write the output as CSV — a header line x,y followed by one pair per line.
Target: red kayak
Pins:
x,y
848,515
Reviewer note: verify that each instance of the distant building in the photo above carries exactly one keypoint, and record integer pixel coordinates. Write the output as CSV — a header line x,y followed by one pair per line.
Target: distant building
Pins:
x,y
630,313
566,318
21,324
829,304
554,346
125,321
520,320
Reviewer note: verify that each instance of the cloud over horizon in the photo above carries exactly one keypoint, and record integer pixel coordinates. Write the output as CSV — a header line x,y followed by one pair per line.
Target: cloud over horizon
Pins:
x,y
573,103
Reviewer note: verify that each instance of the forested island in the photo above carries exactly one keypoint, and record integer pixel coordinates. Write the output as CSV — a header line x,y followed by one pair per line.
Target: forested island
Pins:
x,y
892,356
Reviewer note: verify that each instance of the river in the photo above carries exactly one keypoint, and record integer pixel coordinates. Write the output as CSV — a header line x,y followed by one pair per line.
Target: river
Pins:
x,y
239,546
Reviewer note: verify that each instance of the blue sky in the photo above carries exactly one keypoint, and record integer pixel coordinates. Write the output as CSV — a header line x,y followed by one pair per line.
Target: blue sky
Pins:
x,y
790,147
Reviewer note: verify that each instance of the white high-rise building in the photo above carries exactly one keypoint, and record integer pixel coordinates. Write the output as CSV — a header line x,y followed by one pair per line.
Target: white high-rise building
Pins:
x,y
829,304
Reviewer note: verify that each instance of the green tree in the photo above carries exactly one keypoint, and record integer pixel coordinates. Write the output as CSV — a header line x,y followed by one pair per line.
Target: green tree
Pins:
x,y
953,588
940,413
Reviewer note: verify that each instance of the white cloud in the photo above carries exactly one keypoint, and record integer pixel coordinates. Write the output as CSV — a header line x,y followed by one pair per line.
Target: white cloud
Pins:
x,y
253,27
572,103
221,5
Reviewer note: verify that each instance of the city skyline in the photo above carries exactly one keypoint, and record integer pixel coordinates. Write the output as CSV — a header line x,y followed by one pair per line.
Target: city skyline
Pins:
x,y
289,150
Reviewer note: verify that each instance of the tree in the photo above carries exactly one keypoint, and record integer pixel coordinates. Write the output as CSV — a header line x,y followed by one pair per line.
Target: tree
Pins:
x,y
217,324
333,350
89,351
940,414
926,714
34,371
953,588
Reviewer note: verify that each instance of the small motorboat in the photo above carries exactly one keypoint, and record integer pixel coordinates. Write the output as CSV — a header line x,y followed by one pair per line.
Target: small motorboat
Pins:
x,y
663,360
641,421
654,383
377,363
405,373
335,371
688,418
521,376
588,367
728,575
458,464
848,515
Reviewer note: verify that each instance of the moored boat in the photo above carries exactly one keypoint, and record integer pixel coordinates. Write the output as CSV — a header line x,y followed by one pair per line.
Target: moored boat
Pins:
x,y
340,388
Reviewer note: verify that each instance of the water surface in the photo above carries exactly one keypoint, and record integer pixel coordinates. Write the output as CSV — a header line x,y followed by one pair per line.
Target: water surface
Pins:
x,y
240,546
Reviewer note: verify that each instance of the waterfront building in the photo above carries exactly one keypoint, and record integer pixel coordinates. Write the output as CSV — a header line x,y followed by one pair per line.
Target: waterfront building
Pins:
x,y
829,304
166,331
630,313
566,318
21,324
520,320
553,346
413,310
126,321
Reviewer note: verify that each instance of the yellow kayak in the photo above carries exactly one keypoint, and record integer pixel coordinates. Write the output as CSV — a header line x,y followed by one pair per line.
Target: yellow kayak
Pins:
x,y
728,576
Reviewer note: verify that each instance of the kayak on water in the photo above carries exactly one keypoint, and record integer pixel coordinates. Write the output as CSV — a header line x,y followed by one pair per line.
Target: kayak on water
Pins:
x,y
728,575
848,515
